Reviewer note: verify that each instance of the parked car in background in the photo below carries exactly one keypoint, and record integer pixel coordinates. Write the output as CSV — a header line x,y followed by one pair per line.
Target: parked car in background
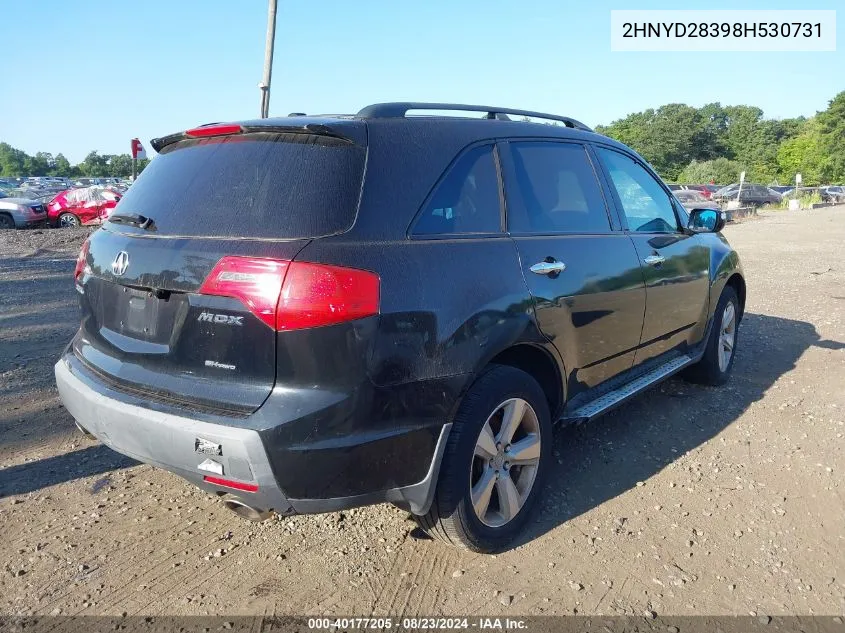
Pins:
x,y
834,193
349,316
704,190
693,199
750,194
20,213
81,206
823,193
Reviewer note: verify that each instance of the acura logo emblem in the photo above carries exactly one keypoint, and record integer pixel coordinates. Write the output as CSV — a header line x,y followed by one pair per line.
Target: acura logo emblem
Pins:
x,y
120,263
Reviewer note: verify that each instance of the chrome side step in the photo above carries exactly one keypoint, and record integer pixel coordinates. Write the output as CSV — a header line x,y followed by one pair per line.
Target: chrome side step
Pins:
x,y
614,398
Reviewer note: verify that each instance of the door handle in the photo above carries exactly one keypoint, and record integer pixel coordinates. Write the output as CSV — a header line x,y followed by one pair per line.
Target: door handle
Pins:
x,y
654,260
548,268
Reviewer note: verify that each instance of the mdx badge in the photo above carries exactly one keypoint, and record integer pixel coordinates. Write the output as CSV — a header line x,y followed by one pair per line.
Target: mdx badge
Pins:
x,y
207,447
222,319
120,263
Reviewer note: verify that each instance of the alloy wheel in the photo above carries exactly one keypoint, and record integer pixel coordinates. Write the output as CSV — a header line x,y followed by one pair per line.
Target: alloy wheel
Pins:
x,y
68,220
505,462
727,336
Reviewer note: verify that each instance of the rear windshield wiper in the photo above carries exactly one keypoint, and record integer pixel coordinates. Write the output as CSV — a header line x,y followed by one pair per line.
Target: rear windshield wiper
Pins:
x,y
135,219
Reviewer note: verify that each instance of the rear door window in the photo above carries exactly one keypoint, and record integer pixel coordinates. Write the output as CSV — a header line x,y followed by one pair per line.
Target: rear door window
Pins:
x,y
270,185
554,189
467,198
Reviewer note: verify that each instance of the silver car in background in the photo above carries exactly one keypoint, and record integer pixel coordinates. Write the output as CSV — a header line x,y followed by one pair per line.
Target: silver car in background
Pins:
x,y
692,199
21,213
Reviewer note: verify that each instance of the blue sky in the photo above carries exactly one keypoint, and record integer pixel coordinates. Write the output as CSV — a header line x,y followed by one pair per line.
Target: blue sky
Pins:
x,y
91,74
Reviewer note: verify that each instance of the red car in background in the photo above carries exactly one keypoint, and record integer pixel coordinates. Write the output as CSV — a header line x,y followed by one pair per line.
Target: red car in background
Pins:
x,y
705,190
81,206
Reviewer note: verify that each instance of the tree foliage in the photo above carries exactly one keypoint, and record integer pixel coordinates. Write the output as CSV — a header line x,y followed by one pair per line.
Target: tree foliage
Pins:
x,y
15,162
718,170
717,142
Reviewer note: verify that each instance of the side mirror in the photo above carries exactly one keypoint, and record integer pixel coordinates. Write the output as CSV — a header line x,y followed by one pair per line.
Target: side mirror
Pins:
x,y
706,221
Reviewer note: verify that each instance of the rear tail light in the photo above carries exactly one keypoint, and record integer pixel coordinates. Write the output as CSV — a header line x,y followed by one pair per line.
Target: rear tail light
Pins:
x,y
295,295
228,483
81,259
255,281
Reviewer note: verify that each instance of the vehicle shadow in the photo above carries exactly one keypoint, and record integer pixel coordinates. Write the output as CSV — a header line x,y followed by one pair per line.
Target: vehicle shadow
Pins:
x,y
86,462
598,461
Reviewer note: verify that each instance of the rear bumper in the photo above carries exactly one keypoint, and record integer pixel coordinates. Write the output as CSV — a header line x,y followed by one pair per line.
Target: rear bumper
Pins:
x,y
30,220
184,446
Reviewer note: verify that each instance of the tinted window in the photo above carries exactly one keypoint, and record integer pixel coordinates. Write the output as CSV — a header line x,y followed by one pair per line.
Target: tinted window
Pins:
x,y
466,200
555,190
646,205
251,185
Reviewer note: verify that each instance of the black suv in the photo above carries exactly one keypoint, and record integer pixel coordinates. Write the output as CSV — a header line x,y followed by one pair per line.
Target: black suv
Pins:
x,y
305,314
751,194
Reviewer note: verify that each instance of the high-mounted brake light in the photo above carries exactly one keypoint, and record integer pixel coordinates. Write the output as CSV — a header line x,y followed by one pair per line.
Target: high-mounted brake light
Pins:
x,y
228,483
81,259
295,295
218,129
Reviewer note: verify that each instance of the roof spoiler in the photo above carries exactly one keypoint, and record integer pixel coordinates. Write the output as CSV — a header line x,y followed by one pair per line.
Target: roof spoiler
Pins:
x,y
211,130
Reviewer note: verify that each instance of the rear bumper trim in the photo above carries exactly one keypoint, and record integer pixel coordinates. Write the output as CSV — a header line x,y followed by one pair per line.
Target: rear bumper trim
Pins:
x,y
417,497
170,441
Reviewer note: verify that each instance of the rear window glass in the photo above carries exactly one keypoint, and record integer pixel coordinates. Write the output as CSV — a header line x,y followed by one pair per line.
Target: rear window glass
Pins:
x,y
253,185
467,199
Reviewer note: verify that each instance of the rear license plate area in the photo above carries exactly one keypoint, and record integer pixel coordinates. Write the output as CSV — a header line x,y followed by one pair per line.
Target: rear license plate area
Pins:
x,y
141,313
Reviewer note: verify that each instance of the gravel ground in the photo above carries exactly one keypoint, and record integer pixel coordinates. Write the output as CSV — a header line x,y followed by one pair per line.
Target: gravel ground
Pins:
x,y
690,500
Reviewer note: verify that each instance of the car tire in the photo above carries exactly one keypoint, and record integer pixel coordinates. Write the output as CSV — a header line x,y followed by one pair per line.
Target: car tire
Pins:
x,y
476,464
715,366
68,220
6,221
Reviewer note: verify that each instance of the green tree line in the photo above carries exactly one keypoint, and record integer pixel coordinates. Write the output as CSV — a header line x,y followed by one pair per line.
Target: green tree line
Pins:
x,y
16,162
715,143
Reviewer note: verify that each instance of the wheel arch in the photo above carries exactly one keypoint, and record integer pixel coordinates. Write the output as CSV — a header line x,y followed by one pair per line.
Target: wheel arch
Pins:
x,y
539,363
725,269
6,214
737,282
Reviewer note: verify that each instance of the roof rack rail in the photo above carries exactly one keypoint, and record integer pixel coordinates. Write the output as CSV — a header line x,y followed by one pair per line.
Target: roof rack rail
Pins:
x,y
400,109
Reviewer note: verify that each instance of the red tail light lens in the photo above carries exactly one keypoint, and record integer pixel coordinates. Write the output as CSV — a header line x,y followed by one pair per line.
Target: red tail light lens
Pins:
x,y
228,483
218,129
81,259
316,294
295,295
255,281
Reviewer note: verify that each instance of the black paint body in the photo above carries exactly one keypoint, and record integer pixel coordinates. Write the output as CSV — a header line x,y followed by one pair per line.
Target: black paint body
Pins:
x,y
356,408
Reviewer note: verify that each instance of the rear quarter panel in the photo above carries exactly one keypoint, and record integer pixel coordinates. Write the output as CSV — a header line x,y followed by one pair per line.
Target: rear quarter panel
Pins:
x,y
447,305
385,385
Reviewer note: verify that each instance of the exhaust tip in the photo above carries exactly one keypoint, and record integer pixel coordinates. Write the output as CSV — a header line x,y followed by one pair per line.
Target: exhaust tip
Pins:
x,y
244,511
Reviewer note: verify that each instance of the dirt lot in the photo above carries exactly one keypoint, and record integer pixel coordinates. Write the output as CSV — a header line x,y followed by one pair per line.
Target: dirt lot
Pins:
x,y
689,500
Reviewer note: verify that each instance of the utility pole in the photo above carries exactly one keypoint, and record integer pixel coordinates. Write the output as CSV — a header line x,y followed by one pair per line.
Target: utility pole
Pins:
x,y
264,86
